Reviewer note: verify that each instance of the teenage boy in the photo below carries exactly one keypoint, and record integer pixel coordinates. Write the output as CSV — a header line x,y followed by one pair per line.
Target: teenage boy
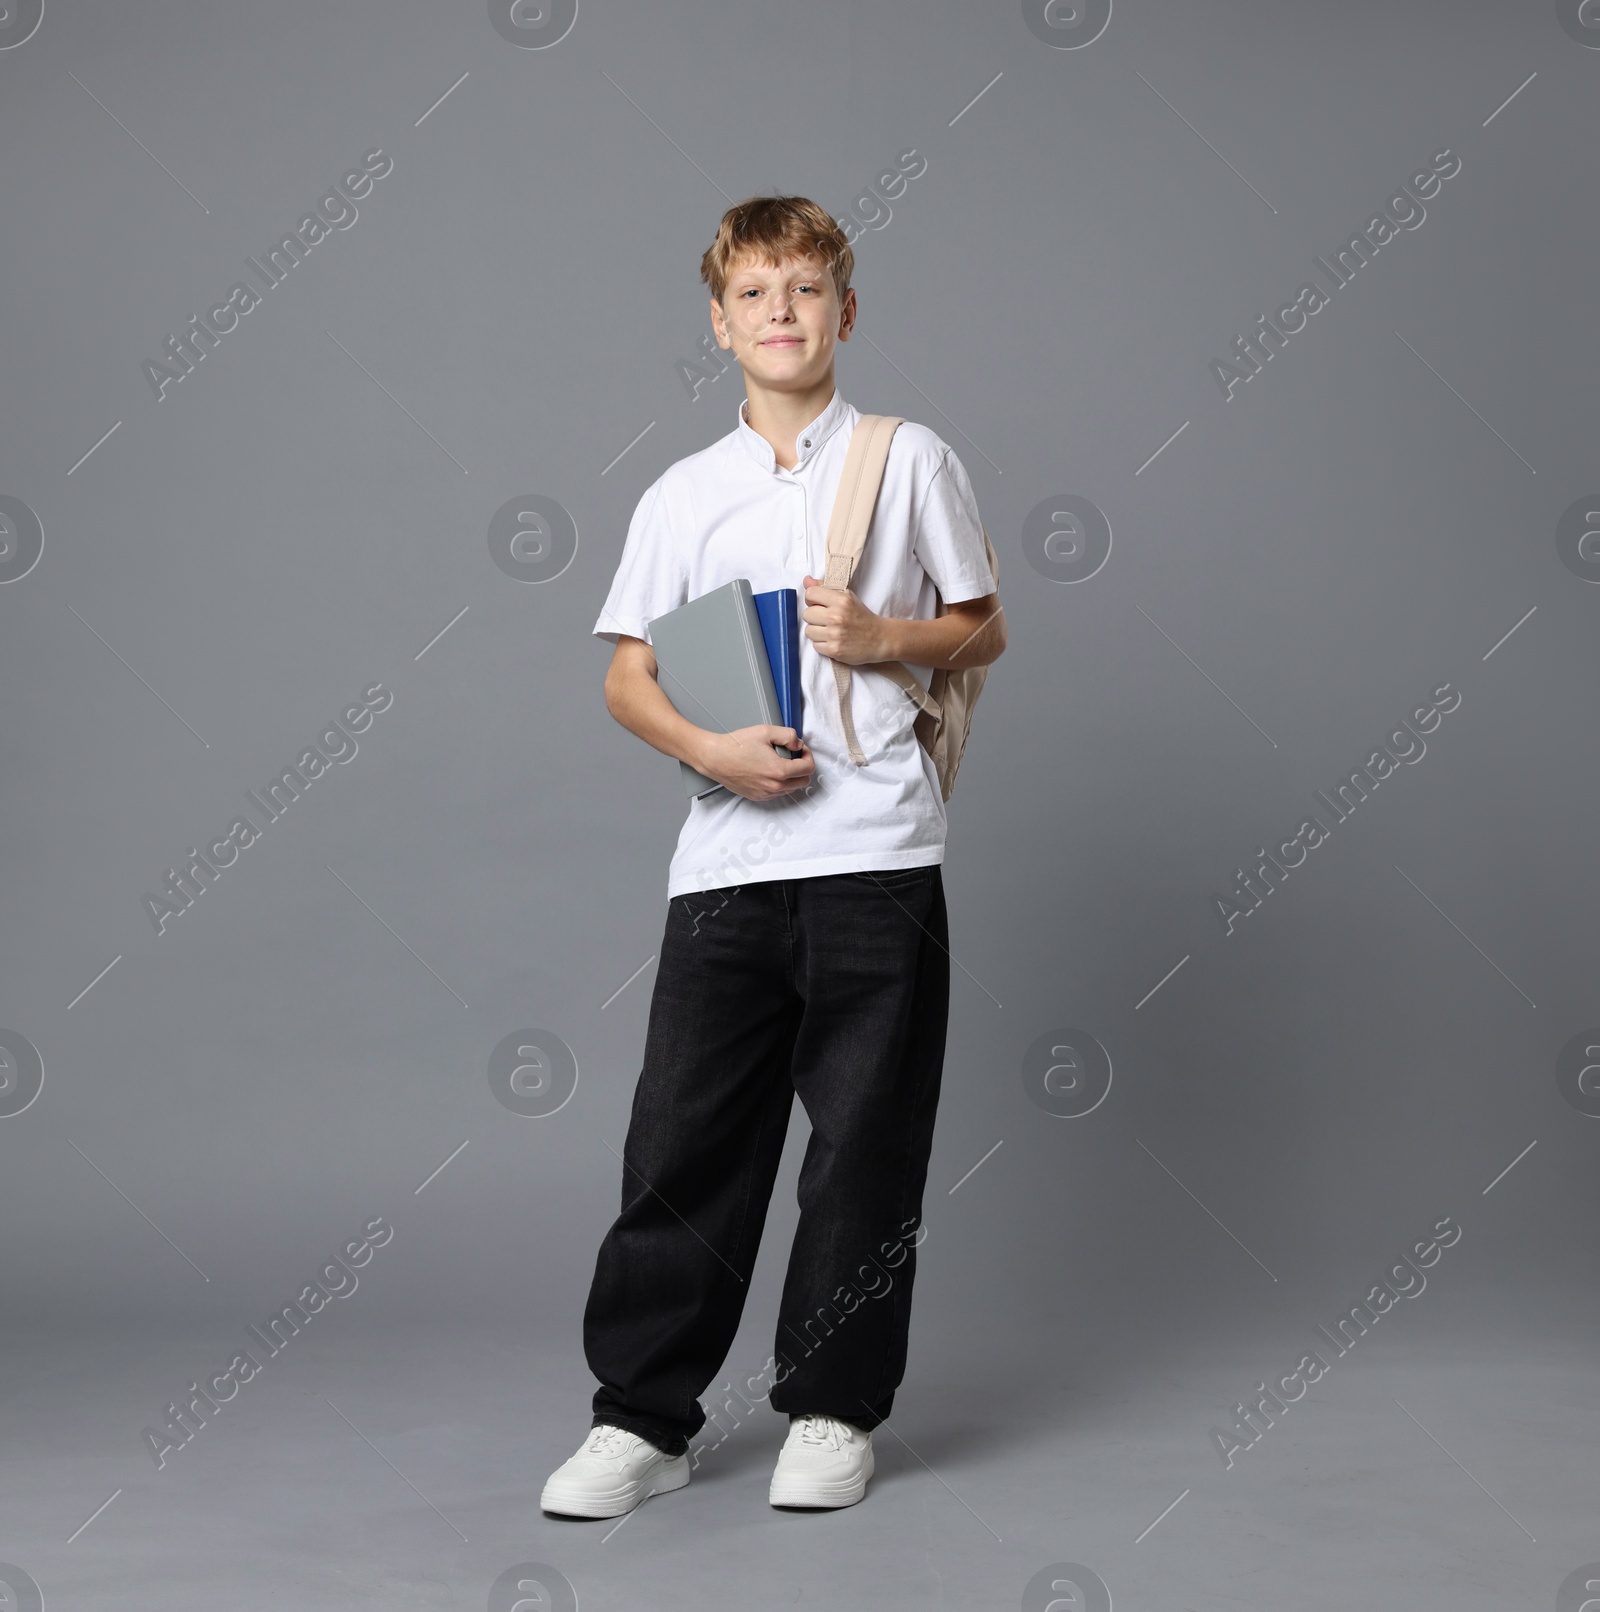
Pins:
x,y
805,945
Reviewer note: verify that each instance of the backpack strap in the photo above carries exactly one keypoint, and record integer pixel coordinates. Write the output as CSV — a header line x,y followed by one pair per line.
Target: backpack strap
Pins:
x,y
853,503
898,672
857,495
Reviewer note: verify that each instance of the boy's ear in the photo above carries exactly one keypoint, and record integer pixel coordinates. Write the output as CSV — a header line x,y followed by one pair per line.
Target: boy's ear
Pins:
x,y
719,325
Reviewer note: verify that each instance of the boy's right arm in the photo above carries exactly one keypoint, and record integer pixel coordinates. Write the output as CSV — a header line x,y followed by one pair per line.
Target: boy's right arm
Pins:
x,y
743,760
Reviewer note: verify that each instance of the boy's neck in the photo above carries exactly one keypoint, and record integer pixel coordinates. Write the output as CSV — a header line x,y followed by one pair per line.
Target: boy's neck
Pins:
x,y
780,417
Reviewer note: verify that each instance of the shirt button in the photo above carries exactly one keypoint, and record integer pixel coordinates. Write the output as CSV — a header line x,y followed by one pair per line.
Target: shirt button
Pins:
x,y
805,442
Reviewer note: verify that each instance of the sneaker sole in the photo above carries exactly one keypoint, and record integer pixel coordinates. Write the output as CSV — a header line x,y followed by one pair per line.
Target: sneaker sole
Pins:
x,y
815,1495
670,1475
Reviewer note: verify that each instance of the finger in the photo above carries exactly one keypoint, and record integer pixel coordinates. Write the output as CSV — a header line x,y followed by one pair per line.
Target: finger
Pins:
x,y
775,735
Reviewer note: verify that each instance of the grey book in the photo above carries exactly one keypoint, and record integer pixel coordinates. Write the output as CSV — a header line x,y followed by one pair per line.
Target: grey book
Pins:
x,y
711,662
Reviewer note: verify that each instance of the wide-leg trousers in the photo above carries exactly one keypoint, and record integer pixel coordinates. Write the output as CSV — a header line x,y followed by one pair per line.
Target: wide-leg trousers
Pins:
x,y
835,988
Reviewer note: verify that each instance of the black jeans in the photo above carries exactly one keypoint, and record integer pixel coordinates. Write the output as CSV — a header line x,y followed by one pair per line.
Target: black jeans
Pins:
x,y
834,987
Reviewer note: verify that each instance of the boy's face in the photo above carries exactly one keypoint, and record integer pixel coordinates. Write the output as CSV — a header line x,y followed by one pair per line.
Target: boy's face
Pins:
x,y
781,321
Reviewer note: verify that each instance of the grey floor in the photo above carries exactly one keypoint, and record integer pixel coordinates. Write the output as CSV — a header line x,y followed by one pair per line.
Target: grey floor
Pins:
x,y
1448,1461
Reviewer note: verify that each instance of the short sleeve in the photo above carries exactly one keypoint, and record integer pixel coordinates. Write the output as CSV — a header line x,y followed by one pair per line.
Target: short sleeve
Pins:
x,y
652,576
949,542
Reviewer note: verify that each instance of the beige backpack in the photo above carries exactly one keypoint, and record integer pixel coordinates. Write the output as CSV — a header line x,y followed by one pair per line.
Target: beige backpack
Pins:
x,y
945,712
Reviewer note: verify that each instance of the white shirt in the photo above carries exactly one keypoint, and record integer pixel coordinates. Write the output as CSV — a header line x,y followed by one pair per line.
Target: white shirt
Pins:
x,y
733,511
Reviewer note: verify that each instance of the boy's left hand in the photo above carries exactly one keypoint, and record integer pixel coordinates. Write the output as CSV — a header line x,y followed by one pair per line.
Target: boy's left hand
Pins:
x,y
841,627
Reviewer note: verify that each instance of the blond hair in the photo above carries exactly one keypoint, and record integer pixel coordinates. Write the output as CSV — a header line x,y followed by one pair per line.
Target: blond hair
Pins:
x,y
772,228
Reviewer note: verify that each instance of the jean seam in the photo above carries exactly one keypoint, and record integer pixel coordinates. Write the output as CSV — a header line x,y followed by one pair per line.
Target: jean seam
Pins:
x,y
747,1184
916,1109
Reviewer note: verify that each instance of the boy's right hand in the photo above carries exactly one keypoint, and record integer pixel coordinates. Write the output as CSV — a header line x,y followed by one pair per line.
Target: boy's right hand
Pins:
x,y
745,762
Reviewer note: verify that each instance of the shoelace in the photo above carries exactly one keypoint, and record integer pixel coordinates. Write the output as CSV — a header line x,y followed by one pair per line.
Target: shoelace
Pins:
x,y
606,1440
820,1431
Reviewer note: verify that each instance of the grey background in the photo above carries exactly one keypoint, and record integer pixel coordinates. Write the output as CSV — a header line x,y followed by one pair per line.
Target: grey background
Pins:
x,y
304,514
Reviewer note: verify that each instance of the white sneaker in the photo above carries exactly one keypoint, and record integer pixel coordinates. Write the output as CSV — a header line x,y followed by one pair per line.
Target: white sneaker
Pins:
x,y
611,1474
824,1463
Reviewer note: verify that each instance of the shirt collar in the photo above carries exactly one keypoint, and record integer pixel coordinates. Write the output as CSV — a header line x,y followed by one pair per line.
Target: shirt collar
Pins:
x,y
807,444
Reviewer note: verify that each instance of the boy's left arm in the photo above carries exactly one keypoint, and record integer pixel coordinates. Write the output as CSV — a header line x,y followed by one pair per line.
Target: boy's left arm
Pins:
x,y
971,633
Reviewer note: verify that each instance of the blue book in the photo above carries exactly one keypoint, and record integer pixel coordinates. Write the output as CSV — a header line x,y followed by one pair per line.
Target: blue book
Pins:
x,y
779,612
